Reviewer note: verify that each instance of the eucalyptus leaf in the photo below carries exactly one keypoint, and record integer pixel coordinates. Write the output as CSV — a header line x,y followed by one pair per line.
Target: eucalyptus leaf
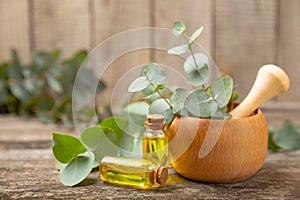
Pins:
x,y
130,145
77,170
288,137
221,90
54,84
3,92
116,124
272,146
154,73
178,28
198,77
100,143
136,113
177,99
66,147
179,49
190,66
14,70
160,106
138,84
200,104
196,34
20,92
197,72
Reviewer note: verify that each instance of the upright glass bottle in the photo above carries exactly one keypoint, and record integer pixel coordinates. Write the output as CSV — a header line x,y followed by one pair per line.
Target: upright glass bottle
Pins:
x,y
155,143
138,173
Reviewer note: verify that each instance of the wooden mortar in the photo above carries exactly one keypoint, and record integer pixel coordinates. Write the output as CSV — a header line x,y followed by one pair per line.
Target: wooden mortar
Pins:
x,y
238,154
234,151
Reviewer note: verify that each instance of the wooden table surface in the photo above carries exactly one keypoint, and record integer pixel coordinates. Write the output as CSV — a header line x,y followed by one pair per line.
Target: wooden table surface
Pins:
x,y
27,170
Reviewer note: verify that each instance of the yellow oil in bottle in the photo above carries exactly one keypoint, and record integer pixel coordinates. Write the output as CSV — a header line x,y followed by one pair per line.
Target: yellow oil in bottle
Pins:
x,y
138,173
155,143
155,149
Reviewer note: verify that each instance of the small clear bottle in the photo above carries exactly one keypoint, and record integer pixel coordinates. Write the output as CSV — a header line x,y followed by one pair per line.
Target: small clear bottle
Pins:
x,y
155,143
138,173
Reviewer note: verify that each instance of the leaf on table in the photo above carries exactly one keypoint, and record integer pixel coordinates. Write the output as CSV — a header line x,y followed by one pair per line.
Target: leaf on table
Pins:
x,y
272,146
100,141
288,137
116,124
77,170
66,147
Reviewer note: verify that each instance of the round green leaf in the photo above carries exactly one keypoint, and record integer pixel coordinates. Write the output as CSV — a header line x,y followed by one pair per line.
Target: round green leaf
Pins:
x,y
66,147
288,137
198,77
190,66
178,28
177,99
136,113
77,170
154,73
198,72
99,142
138,84
199,104
221,89
179,49
116,124
196,35
160,106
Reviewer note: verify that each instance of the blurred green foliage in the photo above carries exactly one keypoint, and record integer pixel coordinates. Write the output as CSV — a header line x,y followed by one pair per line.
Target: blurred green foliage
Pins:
x,y
42,88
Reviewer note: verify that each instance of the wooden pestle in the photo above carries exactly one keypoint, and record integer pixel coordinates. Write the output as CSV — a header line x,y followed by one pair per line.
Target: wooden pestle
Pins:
x,y
270,81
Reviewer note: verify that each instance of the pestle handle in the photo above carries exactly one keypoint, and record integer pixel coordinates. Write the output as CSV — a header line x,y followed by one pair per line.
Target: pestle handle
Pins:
x,y
270,81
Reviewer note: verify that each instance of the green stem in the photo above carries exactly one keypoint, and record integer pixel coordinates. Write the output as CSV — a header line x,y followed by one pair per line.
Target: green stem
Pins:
x,y
160,94
193,56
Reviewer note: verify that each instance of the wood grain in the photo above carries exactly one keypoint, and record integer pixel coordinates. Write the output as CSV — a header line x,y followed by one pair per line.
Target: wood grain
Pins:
x,y
245,39
220,151
28,171
113,17
14,29
289,46
193,13
61,24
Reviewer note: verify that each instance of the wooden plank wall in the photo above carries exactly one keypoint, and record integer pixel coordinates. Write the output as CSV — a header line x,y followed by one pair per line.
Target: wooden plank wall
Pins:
x,y
240,35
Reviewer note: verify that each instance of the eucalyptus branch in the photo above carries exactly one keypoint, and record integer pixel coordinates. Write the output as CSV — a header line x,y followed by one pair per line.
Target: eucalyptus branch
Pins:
x,y
193,56
159,93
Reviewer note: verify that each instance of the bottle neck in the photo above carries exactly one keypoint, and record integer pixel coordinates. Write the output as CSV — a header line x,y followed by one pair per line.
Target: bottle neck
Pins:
x,y
152,132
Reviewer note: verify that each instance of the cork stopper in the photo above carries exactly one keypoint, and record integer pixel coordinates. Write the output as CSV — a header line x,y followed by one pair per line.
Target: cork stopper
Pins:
x,y
155,121
162,175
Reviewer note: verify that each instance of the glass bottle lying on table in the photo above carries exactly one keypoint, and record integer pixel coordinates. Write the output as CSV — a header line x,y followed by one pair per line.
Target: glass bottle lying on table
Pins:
x,y
138,173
